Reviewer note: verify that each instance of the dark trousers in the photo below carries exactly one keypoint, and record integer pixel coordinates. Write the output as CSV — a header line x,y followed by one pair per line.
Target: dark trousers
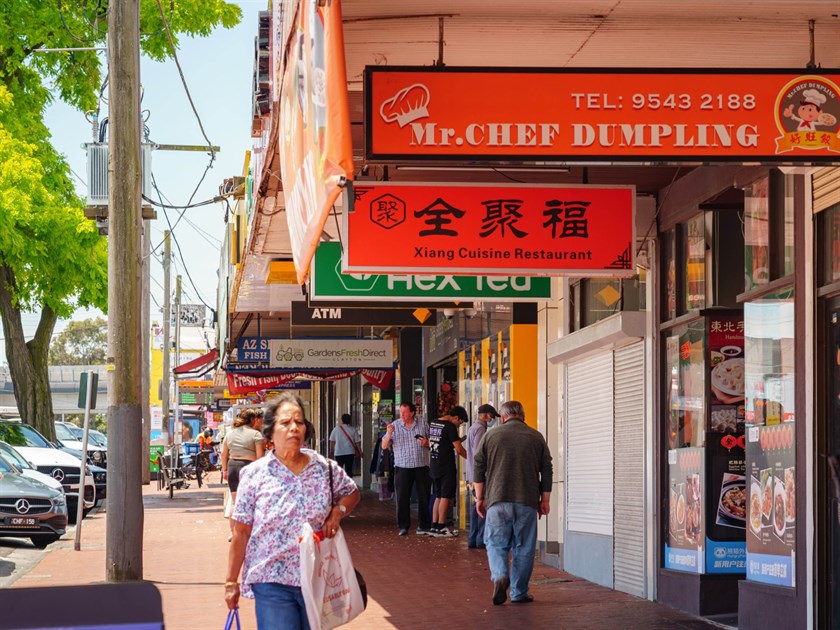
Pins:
x,y
404,479
346,462
476,538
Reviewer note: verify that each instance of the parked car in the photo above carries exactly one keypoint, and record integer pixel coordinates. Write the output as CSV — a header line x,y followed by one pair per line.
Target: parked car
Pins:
x,y
48,459
72,443
100,480
9,453
30,509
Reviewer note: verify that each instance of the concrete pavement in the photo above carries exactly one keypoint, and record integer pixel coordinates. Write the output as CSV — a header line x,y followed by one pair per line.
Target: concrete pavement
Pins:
x,y
413,582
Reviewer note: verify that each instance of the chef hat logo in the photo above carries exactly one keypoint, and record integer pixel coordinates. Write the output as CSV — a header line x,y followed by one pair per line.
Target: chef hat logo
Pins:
x,y
814,97
407,105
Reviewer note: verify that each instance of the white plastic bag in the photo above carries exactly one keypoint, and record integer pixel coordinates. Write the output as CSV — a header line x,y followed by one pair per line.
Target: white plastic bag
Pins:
x,y
228,504
327,580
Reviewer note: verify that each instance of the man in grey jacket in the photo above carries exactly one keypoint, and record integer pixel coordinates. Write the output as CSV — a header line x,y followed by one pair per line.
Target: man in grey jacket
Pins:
x,y
512,476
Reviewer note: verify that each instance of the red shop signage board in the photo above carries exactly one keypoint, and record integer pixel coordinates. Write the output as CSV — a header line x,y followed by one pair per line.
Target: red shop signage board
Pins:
x,y
455,229
628,115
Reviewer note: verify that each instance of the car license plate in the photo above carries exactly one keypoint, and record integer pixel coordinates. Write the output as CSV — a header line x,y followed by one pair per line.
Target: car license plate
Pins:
x,y
23,520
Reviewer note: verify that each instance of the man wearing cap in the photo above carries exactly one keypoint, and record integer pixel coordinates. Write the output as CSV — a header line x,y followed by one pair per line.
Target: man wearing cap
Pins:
x,y
444,442
486,413
513,475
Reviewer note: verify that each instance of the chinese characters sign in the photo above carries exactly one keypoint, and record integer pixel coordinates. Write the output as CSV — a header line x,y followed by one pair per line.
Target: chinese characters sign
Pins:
x,y
463,229
627,115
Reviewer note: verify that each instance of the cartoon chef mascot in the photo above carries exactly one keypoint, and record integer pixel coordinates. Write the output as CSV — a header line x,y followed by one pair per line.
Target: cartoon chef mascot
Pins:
x,y
808,112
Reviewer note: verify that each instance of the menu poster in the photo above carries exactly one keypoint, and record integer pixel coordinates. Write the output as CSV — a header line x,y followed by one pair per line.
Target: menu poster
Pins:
x,y
493,370
726,365
686,527
726,511
504,368
771,511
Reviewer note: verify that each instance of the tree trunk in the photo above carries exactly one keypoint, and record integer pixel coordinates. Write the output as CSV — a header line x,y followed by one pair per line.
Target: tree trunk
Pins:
x,y
28,361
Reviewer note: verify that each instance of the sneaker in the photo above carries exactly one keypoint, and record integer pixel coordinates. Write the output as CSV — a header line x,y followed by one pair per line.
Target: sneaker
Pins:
x,y
500,588
403,532
446,533
425,532
527,598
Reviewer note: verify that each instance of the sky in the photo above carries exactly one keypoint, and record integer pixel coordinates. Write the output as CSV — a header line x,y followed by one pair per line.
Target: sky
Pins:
x,y
219,73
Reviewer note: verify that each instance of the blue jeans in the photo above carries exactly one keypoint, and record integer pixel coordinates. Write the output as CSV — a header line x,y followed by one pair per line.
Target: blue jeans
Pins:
x,y
476,538
511,528
279,606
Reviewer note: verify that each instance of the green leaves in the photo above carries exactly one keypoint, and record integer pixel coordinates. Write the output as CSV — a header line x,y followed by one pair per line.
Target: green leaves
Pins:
x,y
57,257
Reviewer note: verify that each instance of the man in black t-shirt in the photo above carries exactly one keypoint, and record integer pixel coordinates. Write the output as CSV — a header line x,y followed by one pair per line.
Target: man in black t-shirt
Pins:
x,y
444,442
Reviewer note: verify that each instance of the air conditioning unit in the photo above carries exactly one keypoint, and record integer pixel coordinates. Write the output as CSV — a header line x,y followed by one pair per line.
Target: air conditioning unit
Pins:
x,y
97,172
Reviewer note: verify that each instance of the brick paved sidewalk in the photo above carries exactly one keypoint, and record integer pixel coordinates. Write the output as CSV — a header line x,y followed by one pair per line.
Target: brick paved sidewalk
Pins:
x,y
413,582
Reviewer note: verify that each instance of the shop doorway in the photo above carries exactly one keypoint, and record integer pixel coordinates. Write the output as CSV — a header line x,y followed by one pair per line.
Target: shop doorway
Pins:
x,y
830,514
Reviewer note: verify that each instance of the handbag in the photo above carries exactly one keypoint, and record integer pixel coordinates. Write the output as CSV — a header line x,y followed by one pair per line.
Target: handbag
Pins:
x,y
355,448
233,616
359,578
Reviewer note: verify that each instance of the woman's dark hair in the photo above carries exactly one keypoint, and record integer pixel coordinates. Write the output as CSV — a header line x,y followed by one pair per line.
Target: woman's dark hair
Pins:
x,y
270,415
345,418
245,418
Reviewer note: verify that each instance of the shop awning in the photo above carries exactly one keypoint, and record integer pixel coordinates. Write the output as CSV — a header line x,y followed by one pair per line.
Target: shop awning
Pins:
x,y
198,366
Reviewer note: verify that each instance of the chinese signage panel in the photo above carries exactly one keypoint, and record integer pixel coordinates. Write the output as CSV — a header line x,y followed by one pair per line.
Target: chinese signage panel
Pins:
x,y
626,115
487,229
327,282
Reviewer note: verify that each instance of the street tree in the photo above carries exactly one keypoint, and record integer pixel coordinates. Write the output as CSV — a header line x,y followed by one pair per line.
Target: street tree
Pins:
x,y
52,260
83,342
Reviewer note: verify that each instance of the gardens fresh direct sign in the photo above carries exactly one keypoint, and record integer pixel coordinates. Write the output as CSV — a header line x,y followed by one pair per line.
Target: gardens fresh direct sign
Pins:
x,y
623,115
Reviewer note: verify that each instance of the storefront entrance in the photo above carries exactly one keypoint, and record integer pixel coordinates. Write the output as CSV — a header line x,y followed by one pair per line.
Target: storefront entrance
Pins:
x,y
831,513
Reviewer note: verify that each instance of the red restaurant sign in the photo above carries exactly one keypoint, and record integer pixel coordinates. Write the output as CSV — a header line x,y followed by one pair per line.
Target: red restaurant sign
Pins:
x,y
623,115
486,229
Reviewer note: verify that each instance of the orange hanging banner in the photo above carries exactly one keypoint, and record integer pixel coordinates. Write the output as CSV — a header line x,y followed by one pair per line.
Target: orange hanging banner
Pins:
x,y
620,115
490,229
316,157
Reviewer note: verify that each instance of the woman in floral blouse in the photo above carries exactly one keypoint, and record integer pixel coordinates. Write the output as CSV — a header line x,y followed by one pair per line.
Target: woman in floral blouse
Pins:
x,y
277,495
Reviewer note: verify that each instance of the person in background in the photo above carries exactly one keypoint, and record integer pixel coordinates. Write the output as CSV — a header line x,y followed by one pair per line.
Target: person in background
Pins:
x,y
277,495
345,444
242,445
486,413
513,476
444,442
408,439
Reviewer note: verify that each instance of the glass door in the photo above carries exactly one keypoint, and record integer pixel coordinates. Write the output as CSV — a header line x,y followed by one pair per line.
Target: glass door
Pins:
x,y
832,454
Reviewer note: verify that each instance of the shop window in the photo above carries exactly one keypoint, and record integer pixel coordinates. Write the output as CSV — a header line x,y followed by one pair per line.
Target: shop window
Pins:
x,y
694,246
770,384
768,230
685,366
594,299
669,272
830,246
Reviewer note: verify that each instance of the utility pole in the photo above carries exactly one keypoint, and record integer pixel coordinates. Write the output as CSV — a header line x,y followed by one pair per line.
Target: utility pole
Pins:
x,y
167,321
145,322
178,421
124,534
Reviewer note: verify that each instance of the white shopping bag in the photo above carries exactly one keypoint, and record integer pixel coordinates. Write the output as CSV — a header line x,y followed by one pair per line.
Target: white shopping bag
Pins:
x,y
228,504
327,580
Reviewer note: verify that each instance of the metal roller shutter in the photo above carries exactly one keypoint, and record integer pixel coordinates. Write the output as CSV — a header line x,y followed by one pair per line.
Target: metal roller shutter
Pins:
x,y
589,446
826,188
629,541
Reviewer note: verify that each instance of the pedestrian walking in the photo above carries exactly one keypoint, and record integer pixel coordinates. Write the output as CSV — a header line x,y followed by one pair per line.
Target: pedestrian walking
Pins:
x,y
513,475
345,444
444,442
408,439
486,413
277,495
242,445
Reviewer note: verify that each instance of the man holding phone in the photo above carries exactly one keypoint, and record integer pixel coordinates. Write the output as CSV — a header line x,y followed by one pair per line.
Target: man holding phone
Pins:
x,y
408,439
